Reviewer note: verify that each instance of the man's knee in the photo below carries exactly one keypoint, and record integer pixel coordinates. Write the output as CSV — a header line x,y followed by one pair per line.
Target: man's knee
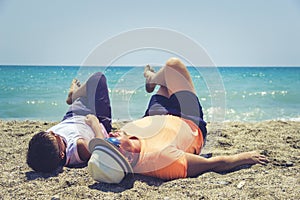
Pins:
x,y
96,79
175,63
98,74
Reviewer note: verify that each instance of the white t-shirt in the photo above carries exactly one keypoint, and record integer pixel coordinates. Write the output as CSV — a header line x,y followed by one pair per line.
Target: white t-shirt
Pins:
x,y
71,130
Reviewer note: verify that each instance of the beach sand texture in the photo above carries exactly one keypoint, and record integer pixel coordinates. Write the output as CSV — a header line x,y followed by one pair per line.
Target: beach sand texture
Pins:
x,y
280,179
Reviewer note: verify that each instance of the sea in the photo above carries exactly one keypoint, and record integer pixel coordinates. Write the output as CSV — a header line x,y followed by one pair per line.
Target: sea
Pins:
x,y
248,94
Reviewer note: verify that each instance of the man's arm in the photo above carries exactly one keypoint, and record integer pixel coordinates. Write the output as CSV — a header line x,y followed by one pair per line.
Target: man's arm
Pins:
x,y
198,165
94,123
82,149
82,144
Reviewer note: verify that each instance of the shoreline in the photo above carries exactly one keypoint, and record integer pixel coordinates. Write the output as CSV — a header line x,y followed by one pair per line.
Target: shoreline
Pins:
x,y
279,140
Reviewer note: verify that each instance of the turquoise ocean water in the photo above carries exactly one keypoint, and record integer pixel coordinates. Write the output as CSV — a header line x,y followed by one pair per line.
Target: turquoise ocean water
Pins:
x,y
245,93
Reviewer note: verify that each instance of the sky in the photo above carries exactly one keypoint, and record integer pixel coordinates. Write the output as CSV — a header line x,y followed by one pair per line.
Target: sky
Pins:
x,y
231,32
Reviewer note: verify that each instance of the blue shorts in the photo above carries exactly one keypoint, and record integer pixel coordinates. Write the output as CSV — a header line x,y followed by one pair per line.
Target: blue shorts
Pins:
x,y
183,104
96,102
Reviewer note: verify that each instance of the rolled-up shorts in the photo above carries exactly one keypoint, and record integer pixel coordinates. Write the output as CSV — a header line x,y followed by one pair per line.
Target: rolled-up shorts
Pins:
x,y
183,104
96,102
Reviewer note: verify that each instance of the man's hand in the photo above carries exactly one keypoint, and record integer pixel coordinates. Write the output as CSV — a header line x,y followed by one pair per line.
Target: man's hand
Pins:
x,y
254,157
94,123
91,120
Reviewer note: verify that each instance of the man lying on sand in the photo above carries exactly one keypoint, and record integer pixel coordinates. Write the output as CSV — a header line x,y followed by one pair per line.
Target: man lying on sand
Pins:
x,y
167,141
66,144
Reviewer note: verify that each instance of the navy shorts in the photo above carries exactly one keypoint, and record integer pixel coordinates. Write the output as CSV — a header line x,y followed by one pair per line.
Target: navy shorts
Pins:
x,y
96,102
183,104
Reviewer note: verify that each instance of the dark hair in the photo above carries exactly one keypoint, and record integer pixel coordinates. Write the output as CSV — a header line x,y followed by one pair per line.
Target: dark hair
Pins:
x,y
43,153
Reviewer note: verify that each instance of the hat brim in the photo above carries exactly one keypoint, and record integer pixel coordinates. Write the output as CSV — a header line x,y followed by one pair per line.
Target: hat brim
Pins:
x,y
100,142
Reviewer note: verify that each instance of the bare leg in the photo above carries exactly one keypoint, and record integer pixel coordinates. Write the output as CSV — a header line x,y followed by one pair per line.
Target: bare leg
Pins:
x,y
173,77
76,90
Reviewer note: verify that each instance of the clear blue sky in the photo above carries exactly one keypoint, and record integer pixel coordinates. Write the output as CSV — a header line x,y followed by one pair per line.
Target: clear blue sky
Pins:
x,y
233,32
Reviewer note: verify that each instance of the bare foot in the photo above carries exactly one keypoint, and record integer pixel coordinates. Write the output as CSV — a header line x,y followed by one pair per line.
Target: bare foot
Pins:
x,y
74,86
148,74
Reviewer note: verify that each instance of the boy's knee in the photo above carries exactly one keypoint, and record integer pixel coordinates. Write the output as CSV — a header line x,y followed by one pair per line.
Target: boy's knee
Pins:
x,y
96,77
98,74
175,63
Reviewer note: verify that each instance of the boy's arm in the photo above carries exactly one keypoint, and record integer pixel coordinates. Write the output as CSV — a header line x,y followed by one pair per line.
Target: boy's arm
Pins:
x,y
82,144
94,123
198,165
82,149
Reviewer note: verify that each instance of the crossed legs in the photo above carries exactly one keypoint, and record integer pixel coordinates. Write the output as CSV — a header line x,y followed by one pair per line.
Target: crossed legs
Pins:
x,y
91,97
171,78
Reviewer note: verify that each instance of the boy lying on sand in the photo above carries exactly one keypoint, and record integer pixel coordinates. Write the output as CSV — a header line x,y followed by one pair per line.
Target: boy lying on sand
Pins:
x,y
167,141
66,144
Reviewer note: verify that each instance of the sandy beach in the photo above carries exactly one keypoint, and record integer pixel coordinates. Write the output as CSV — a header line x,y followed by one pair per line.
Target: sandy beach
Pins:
x,y
280,179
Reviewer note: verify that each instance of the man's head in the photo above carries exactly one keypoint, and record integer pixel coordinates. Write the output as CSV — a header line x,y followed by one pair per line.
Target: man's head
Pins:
x,y
45,152
109,163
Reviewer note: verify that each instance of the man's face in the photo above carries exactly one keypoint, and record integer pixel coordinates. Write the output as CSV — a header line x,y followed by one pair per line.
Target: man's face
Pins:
x,y
59,142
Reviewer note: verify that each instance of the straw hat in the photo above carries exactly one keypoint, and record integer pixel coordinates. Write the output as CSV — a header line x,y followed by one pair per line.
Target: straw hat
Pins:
x,y
107,164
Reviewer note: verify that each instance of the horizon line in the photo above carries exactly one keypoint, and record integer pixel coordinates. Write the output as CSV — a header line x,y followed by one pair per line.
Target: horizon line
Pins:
x,y
70,65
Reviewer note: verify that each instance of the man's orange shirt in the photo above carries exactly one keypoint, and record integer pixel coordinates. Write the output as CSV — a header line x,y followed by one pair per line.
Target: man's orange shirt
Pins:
x,y
164,141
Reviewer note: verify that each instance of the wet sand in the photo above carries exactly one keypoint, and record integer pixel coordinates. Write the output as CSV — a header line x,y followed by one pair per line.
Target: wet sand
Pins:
x,y
280,179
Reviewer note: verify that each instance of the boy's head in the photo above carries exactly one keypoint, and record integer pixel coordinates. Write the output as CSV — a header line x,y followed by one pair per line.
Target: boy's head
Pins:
x,y
45,152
